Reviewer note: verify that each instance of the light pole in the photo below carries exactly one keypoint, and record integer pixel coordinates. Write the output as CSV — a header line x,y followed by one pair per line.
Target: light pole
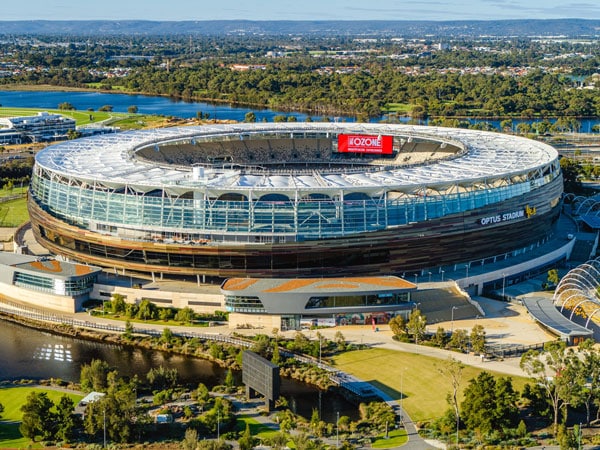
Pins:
x,y
503,278
429,276
319,350
416,275
442,272
402,395
452,321
467,277
337,430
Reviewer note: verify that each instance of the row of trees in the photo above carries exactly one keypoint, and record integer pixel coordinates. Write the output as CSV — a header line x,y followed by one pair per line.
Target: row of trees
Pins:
x,y
146,310
492,411
367,92
45,420
414,329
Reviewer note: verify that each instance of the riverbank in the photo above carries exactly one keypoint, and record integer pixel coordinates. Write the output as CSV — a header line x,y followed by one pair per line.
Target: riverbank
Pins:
x,y
217,349
195,98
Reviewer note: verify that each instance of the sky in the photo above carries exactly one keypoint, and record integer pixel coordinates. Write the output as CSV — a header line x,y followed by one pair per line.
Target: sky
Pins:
x,y
298,9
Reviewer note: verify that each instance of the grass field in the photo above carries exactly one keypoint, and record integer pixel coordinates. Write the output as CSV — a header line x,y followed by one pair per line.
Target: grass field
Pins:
x,y
257,429
81,117
395,438
393,372
12,399
13,191
124,121
13,212
397,108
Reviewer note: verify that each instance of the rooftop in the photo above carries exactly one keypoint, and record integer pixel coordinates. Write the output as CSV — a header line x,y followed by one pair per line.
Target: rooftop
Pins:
x,y
249,286
45,265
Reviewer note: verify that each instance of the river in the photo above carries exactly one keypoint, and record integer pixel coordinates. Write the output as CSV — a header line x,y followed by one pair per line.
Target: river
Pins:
x,y
146,104
36,355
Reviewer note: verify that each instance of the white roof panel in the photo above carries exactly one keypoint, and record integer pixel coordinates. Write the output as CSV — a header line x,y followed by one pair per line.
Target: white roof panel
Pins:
x,y
110,158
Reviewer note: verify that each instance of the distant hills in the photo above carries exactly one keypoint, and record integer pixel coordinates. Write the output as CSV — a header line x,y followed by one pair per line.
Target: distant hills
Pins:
x,y
403,28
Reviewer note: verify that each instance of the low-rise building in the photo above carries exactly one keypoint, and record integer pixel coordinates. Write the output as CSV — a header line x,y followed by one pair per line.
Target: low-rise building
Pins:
x,y
41,127
46,282
288,303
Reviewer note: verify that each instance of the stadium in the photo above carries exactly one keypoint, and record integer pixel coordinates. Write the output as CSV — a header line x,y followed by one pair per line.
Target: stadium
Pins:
x,y
294,199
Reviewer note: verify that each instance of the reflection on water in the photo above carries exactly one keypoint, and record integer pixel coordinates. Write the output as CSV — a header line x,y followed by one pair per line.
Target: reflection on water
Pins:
x,y
54,352
31,354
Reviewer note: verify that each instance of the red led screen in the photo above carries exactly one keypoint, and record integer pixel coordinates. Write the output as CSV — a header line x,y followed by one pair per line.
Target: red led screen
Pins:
x,y
362,143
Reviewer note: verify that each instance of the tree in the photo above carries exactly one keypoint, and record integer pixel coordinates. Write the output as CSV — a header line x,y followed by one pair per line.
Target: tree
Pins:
x,y
550,371
190,440
452,370
106,108
161,378
553,278
38,419
250,117
116,410
128,333
459,340
397,325
185,315
65,419
478,339
93,376
1,410
416,325
571,171
202,395
489,404
132,109
146,310
66,106
275,359
165,314
246,441
167,335
587,371
229,381
118,303
440,338
73,134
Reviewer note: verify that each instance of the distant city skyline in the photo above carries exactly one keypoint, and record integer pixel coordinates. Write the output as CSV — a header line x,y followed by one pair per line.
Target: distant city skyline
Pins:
x,y
175,10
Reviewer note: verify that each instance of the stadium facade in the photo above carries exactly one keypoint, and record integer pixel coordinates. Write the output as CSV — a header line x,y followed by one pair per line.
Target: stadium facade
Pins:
x,y
294,200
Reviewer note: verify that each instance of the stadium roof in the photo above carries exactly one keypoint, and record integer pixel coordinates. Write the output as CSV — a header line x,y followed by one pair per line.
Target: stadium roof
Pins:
x,y
110,160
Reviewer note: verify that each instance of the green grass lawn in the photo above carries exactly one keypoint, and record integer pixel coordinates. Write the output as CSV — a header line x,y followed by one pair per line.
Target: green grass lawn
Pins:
x,y
424,388
397,107
257,429
81,117
13,191
122,120
166,323
395,438
13,212
12,398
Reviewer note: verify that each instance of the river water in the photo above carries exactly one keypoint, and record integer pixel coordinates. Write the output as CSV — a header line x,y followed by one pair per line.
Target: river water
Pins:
x,y
172,107
31,354
146,104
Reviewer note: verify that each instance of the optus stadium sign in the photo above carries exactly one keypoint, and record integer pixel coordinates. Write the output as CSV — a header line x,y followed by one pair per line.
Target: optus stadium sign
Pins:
x,y
526,212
